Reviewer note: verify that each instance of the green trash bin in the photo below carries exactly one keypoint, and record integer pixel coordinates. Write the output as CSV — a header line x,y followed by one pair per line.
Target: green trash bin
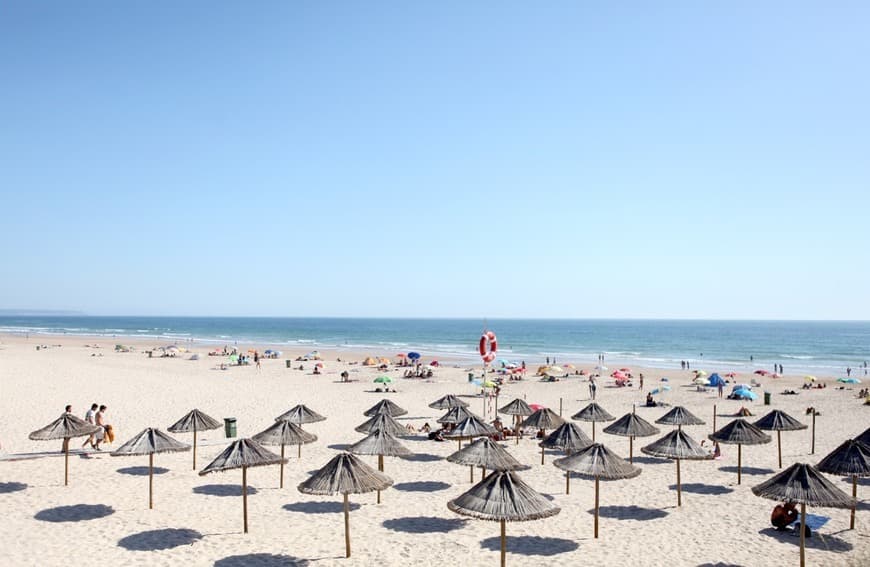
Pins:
x,y
471,376
230,426
289,363
767,398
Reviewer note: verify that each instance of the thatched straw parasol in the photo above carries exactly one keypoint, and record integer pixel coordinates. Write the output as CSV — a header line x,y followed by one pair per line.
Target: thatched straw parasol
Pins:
x,y
383,422
593,413
447,402
503,497
148,442
864,437
66,427
852,458
454,415
779,421
285,433
243,454
379,443
680,416
345,474
488,455
300,415
597,461
387,407
740,432
678,446
569,438
631,425
803,484
470,427
517,408
194,421
543,419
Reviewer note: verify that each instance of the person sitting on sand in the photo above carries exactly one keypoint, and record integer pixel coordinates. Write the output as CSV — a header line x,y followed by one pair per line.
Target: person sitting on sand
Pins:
x,y
316,370
425,428
717,451
783,515
650,402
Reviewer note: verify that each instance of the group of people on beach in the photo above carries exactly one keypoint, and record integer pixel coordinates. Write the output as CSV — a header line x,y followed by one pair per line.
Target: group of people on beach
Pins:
x,y
96,415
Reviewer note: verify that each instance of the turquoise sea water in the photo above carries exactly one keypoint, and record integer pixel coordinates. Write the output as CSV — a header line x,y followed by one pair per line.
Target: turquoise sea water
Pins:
x,y
800,346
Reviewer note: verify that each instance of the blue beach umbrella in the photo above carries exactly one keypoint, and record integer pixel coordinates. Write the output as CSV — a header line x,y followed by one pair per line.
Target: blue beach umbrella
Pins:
x,y
745,394
414,355
849,380
715,380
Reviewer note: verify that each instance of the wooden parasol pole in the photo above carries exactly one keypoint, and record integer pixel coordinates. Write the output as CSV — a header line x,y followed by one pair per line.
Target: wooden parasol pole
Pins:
x,y
503,543
194,445
380,468
281,482
596,507
245,496
471,467
779,446
299,451
346,528
854,497
803,532
631,449
150,481
567,482
560,407
739,461
679,490
66,462
812,447
542,455
593,432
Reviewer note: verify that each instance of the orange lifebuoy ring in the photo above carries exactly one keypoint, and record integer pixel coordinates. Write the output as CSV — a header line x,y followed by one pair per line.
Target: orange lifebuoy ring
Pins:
x,y
488,346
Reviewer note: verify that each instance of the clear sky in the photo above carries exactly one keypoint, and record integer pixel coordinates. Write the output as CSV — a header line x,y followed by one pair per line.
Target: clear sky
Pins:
x,y
449,158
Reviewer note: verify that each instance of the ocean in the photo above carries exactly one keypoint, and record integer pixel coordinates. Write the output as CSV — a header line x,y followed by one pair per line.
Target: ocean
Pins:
x,y
822,347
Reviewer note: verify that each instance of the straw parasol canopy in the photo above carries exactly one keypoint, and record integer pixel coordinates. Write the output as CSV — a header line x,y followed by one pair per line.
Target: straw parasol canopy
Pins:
x,y
852,458
285,433
65,427
568,437
680,416
379,443
300,415
194,421
779,421
631,425
803,484
599,462
447,402
544,418
593,413
345,474
864,437
148,442
678,446
740,432
454,415
470,427
488,455
383,422
517,408
503,497
387,407
242,454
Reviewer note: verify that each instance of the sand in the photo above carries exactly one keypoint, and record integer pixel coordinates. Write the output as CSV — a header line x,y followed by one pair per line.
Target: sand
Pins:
x,y
103,514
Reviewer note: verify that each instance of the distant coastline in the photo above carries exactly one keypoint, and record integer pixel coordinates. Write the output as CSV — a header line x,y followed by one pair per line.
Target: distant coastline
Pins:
x,y
827,347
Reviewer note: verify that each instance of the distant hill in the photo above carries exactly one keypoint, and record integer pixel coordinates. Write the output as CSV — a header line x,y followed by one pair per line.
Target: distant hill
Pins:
x,y
40,313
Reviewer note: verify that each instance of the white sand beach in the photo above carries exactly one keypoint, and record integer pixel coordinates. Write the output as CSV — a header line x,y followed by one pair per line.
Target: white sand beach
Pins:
x,y
103,514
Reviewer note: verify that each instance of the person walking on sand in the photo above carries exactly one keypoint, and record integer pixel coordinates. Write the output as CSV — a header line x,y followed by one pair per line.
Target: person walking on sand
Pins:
x,y
100,421
640,387
720,387
592,387
90,417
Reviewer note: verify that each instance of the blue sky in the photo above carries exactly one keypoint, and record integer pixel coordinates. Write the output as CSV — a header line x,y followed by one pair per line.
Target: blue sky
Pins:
x,y
478,159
